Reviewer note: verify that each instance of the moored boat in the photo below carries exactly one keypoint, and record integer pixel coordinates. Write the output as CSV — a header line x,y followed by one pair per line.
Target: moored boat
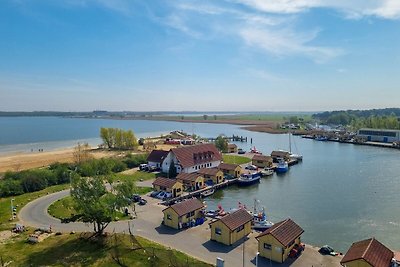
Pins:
x,y
207,193
267,171
249,178
282,167
260,221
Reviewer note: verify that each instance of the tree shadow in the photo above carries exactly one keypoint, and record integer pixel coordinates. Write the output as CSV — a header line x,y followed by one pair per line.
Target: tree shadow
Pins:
x,y
79,250
214,246
165,230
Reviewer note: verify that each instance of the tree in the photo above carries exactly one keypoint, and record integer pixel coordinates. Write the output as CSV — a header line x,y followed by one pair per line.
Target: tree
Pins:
x,y
95,204
118,139
81,153
221,143
172,170
205,117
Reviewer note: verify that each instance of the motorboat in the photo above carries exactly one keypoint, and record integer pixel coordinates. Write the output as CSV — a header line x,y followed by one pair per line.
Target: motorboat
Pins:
x,y
282,167
260,221
207,192
267,171
249,178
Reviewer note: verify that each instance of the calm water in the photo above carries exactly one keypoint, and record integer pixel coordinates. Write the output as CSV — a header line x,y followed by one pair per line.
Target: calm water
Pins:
x,y
339,194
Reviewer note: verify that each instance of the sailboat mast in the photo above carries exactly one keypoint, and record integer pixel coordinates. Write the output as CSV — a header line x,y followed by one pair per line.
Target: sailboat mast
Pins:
x,y
290,143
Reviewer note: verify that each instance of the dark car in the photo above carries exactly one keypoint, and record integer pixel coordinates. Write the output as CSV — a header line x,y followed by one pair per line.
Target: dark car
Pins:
x,y
136,198
241,151
142,202
154,193
327,250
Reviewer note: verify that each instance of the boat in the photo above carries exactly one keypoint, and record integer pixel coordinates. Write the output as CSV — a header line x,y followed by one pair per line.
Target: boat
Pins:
x,y
293,156
249,178
255,151
207,192
260,221
321,138
282,167
267,171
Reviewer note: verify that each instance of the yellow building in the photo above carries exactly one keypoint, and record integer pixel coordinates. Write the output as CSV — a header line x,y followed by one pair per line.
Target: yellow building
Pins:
x,y
276,242
367,253
191,181
183,214
232,148
232,227
233,170
213,174
279,154
172,186
262,161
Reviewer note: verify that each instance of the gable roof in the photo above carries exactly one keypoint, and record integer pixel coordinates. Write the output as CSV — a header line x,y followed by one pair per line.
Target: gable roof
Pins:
x,y
285,231
261,158
370,250
228,166
280,154
157,156
187,177
235,219
232,146
208,171
189,156
165,182
186,206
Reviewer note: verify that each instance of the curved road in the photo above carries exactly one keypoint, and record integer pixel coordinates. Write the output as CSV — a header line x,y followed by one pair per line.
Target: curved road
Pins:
x,y
193,241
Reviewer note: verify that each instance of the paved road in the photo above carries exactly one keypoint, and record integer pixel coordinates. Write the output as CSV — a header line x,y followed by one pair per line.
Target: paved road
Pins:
x,y
194,241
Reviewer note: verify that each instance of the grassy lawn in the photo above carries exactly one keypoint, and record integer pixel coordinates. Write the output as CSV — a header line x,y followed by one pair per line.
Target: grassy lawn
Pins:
x,y
235,159
137,176
22,200
77,250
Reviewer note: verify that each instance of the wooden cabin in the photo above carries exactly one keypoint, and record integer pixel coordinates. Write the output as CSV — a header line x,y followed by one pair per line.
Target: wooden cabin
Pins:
x,y
213,174
233,170
262,161
232,227
367,253
232,148
276,242
191,181
183,214
172,186
279,154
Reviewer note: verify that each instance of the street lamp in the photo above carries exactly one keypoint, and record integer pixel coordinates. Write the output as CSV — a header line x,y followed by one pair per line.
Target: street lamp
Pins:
x,y
12,208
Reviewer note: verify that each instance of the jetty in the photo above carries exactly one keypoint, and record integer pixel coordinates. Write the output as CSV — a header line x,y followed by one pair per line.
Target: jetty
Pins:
x,y
233,138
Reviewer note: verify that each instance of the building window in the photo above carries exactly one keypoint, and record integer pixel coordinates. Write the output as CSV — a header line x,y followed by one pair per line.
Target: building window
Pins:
x,y
169,217
240,228
178,190
218,231
267,246
190,214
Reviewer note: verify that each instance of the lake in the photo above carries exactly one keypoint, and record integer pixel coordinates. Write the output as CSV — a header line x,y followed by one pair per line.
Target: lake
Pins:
x,y
339,194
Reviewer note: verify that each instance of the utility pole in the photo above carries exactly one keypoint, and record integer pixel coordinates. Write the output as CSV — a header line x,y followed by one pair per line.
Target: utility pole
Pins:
x,y
243,252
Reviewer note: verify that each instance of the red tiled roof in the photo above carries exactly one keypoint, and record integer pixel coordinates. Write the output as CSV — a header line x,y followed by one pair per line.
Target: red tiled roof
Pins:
x,y
228,166
165,182
370,250
189,156
157,156
261,158
235,219
187,177
187,206
285,231
280,154
232,146
208,171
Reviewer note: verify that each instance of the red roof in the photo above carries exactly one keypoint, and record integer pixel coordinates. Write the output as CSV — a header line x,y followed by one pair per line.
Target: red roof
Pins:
x,y
187,206
285,231
157,156
165,182
228,166
208,171
189,156
280,154
261,158
187,177
370,250
236,219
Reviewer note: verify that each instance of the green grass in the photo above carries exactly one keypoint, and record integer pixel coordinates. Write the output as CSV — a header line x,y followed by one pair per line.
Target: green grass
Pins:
x,y
235,159
77,250
22,200
136,177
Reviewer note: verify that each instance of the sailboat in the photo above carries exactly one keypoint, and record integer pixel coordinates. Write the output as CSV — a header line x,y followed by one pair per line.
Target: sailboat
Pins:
x,y
293,156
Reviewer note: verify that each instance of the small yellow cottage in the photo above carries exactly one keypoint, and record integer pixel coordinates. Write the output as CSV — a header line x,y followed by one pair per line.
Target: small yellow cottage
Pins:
x,y
191,181
276,242
262,161
231,227
367,253
232,148
183,214
233,170
172,186
213,174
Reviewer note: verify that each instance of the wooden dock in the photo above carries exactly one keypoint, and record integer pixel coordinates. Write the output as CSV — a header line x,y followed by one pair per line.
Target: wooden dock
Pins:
x,y
233,138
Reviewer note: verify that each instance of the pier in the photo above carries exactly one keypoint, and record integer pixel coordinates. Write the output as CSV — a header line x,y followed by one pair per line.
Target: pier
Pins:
x,y
233,138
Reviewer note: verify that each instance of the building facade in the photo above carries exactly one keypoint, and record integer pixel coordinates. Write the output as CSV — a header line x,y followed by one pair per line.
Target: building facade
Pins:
x,y
233,170
212,175
378,135
262,161
183,214
172,186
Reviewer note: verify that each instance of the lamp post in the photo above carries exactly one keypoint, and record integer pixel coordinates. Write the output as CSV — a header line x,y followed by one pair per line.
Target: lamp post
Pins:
x,y
12,208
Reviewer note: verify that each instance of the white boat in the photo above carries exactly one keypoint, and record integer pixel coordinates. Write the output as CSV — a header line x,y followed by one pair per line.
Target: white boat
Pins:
x,y
207,193
297,157
260,221
282,167
267,171
249,178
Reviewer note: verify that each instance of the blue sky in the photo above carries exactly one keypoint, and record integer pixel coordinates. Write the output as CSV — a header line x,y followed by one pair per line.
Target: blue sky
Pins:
x,y
243,55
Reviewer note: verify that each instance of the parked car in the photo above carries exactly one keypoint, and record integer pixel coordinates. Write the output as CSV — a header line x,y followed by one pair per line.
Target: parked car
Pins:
x,y
154,193
241,151
251,167
143,167
161,195
152,168
136,198
327,250
142,202
296,250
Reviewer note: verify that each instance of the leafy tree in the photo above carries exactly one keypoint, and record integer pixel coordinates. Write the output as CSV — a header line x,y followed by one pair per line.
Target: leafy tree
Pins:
x,y
205,117
118,139
95,204
221,143
172,170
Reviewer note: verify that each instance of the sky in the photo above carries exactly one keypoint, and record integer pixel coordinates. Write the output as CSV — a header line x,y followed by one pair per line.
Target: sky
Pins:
x,y
199,55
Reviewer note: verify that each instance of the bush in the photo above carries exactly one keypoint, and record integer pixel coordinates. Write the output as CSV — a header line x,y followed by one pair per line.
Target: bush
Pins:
x,y
133,161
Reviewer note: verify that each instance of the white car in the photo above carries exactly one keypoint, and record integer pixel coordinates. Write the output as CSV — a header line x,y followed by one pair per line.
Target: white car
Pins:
x,y
161,195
